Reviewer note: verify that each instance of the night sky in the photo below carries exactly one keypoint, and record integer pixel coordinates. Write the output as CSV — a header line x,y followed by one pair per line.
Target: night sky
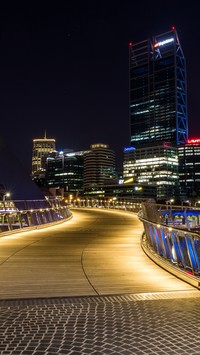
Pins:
x,y
64,69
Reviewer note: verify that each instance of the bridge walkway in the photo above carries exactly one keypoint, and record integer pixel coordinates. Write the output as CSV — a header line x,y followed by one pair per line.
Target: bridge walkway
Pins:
x,y
86,287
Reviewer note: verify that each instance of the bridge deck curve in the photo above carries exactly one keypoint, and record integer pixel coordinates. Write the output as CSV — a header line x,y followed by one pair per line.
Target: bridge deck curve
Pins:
x,y
97,252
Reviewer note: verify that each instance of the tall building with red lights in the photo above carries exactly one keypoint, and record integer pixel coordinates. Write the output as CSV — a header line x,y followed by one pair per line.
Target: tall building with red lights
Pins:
x,y
158,109
158,97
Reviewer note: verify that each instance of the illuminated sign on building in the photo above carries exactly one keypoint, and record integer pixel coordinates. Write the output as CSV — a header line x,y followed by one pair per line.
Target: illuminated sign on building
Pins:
x,y
162,43
193,141
128,149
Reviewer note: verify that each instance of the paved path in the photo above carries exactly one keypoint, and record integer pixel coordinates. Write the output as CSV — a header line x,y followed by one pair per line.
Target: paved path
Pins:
x,y
118,301
95,253
127,325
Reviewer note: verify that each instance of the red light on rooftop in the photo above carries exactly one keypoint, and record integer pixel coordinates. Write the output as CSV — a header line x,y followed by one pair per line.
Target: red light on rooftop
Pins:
x,y
173,28
130,44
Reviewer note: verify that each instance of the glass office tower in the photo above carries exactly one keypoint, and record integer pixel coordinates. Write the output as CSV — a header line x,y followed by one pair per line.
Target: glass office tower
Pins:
x,y
189,170
153,165
64,170
158,107
158,101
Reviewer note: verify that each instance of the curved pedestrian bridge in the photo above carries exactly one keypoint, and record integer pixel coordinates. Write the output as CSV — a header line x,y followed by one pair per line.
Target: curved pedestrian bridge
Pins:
x,y
86,287
97,252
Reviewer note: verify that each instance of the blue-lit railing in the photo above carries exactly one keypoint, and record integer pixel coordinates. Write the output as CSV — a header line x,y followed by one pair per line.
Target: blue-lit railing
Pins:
x,y
172,239
16,215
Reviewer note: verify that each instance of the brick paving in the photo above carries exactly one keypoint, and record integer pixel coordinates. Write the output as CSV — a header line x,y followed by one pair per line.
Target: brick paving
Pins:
x,y
138,324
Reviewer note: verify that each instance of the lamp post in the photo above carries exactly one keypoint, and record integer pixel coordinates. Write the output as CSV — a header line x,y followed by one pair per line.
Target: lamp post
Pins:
x,y
169,202
7,194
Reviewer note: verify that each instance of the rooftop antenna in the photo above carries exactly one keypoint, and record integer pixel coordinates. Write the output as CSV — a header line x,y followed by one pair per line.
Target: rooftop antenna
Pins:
x,y
45,135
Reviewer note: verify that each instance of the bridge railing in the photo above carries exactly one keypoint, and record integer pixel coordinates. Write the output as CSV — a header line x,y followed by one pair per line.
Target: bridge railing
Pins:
x,y
20,214
124,204
172,238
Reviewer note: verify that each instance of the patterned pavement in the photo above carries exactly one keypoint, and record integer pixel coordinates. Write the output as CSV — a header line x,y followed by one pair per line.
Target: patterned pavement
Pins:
x,y
135,324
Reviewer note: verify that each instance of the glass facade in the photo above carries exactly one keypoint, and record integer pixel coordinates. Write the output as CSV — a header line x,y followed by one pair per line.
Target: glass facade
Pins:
x,y
65,171
189,170
158,112
158,102
155,165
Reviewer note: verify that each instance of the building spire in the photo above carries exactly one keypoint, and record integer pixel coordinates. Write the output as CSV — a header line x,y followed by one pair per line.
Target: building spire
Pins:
x,y
45,134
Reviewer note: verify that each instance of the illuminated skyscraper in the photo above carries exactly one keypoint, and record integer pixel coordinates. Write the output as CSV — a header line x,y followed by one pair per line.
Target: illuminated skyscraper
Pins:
x,y
41,148
64,172
99,166
189,169
153,165
158,111
158,98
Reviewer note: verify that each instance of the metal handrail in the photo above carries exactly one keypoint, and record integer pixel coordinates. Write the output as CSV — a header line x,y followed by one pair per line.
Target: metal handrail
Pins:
x,y
17,219
178,248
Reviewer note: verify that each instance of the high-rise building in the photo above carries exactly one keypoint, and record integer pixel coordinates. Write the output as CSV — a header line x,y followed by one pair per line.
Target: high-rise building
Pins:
x,y
41,148
158,98
158,109
99,166
189,170
156,165
64,172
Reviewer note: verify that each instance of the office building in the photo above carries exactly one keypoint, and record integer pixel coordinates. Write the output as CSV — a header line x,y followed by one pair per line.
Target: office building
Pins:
x,y
158,98
189,170
64,173
158,108
41,148
154,165
124,189
99,166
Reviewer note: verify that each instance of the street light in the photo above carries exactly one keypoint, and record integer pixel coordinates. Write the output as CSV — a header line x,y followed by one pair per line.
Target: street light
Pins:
x,y
169,202
7,194
185,203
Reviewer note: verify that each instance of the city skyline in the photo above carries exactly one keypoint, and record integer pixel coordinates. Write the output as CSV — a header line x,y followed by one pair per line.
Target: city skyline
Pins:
x,y
64,69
